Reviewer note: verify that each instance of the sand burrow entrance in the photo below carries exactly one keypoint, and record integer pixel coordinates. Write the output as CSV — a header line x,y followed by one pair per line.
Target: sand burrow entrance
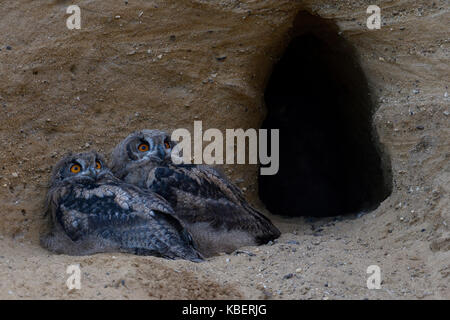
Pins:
x,y
318,97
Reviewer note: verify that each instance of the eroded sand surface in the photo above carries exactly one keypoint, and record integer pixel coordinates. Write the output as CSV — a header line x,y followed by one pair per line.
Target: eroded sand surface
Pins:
x,y
63,90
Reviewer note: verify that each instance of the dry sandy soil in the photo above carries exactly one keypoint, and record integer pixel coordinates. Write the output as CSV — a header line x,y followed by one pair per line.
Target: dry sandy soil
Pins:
x,y
153,64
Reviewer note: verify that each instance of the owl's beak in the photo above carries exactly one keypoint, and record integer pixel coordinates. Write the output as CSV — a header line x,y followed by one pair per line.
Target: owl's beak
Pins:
x,y
91,173
161,152
157,154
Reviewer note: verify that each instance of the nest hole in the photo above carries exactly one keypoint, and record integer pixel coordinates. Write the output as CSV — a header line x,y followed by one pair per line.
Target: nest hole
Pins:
x,y
330,160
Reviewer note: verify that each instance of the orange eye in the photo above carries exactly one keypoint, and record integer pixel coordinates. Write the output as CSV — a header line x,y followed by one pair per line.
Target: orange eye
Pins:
x,y
75,168
167,145
98,165
143,147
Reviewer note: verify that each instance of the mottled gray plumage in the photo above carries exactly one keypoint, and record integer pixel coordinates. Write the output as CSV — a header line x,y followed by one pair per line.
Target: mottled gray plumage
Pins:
x,y
210,207
92,211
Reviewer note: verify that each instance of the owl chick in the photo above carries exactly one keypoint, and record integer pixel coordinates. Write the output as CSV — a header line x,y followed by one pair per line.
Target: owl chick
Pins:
x,y
92,211
210,207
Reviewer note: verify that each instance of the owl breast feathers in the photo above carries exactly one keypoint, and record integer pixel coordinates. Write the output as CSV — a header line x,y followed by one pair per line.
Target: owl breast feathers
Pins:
x,y
92,212
210,207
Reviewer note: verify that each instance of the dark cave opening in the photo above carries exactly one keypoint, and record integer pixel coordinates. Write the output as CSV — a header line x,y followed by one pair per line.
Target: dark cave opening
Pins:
x,y
318,96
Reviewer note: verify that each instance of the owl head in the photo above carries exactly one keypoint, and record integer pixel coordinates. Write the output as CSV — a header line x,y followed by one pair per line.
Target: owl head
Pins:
x,y
81,168
140,152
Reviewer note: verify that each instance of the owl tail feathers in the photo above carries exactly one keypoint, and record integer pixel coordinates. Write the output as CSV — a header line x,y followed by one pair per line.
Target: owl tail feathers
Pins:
x,y
268,232
186,247
186,250
164,237
270,236
192,252
193,255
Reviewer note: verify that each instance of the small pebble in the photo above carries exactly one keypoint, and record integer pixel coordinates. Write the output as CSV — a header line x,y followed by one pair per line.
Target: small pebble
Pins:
x,y
250,254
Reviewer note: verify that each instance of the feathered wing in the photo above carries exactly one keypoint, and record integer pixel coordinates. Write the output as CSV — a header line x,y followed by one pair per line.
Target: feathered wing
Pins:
x,y
201,194
123,217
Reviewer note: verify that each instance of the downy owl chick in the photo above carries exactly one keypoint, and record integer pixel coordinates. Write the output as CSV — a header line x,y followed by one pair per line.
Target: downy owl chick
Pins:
x,y
209,206
92,211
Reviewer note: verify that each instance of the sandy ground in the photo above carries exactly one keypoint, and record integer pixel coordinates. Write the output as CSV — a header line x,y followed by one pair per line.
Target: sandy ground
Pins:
x,y
62,90
311,260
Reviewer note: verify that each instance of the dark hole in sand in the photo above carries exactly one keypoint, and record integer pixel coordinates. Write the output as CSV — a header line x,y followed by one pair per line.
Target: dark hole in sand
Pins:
x,y
330,161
